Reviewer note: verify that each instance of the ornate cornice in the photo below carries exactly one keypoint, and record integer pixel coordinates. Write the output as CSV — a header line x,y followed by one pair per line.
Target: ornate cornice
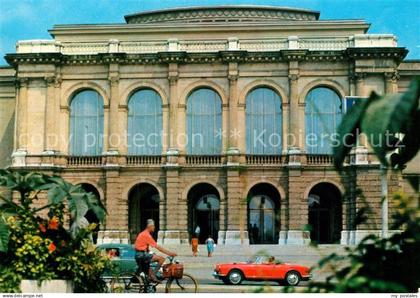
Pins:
x,y
222,14
178,57
396,53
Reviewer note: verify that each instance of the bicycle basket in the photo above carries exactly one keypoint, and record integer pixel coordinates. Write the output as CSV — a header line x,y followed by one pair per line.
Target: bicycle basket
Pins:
x,y
173,270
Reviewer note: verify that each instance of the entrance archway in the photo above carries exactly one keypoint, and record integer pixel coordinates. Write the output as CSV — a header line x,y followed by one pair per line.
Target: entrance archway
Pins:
x,y
203,211
325,213
90,215
143,200
263,214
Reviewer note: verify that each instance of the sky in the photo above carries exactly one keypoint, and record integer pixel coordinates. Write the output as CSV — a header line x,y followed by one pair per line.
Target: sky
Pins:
x,y
30,19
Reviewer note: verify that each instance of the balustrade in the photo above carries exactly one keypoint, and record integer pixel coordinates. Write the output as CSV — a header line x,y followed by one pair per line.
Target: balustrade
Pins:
x,y
319,159
265,159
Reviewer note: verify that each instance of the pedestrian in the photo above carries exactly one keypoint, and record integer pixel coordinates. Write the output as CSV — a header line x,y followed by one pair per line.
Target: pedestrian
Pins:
x,y
194,245
210,246
197,231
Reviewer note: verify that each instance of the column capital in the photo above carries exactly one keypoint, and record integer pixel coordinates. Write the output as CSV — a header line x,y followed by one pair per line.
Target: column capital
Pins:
x,y
22,82
50,80
233,78
113,79
293,77
57,82
392,76
360,76
173,79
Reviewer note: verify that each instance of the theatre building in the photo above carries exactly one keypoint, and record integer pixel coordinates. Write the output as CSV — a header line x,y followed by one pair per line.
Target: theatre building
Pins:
x,y
218,117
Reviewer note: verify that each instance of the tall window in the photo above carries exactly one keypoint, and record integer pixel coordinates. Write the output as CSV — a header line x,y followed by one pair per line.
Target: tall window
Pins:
x,y
323,113
86,123
263,122
144,135
204,122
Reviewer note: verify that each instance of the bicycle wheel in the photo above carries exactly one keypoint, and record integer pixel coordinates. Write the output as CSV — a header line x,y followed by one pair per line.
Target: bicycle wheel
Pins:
x,y
186,284
127,283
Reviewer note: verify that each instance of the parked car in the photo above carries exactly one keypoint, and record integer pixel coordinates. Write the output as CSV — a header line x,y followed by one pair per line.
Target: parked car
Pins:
x,y
261,268
122,255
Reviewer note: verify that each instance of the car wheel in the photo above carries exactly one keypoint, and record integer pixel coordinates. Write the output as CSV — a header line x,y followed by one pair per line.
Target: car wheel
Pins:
x,y
235,277
292,278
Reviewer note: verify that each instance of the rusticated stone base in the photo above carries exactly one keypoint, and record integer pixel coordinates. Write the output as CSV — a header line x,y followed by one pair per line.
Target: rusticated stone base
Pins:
x,y
172,237
294,237
353,237
113,236
233,237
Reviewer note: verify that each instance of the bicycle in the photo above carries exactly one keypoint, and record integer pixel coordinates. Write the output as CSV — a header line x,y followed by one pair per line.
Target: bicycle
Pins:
x,y
178,282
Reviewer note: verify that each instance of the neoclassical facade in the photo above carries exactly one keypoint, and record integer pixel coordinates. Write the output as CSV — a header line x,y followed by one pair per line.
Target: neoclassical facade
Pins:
x,y
210,117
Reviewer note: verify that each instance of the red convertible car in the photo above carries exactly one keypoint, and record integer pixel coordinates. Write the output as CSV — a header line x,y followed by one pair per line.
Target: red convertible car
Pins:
x,y
262,268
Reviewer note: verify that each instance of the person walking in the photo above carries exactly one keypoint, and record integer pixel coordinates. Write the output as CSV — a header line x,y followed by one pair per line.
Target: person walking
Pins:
x,y
197,231
194,245
210,246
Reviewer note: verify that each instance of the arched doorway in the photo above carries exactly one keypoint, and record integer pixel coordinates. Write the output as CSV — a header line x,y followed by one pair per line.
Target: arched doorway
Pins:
x,y
325,213
90,215
143,200
263,214
203,211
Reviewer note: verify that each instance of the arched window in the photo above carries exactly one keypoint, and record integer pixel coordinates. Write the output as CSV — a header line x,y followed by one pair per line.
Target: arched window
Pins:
x,y
263,122
86,123
204,122
323,113
144,136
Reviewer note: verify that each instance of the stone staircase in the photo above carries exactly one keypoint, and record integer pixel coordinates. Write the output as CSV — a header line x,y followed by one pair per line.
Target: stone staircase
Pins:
x,y
305,255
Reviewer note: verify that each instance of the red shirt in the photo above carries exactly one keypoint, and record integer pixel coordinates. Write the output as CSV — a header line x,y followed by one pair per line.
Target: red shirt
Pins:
x,y
144,241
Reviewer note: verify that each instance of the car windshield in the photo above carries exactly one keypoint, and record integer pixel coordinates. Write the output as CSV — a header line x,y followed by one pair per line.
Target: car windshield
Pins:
x,y
257,260
262,259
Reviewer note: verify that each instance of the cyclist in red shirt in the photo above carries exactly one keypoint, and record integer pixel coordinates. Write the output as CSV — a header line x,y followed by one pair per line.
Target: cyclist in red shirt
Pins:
x,y
143,255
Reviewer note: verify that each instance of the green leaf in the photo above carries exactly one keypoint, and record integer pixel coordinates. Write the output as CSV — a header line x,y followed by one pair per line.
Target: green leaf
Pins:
x,y
410,144
96,206
4,235
56,195
348,131
78,206
389,115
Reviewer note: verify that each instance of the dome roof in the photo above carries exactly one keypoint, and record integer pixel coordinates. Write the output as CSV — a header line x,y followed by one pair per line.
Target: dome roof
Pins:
x,y
220,14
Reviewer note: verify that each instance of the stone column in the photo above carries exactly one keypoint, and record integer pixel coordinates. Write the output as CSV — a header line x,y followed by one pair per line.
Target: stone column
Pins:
x,y
176,228
165,127
285,125
391,82
114,138
297,206
173,123
22,115
115,229
360,91
360,83
50,135
233,106
241,131
57,102
294,114
236,231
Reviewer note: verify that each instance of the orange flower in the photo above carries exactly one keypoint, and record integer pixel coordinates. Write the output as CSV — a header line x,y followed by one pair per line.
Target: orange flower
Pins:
x,y
42,228
53,223
51,247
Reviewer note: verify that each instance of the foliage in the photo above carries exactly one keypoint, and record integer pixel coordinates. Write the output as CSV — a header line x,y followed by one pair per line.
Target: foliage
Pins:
x,y
40,248
383,119
379,264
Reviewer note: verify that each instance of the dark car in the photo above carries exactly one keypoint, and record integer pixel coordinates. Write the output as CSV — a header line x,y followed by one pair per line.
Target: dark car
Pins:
x,y
122,255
